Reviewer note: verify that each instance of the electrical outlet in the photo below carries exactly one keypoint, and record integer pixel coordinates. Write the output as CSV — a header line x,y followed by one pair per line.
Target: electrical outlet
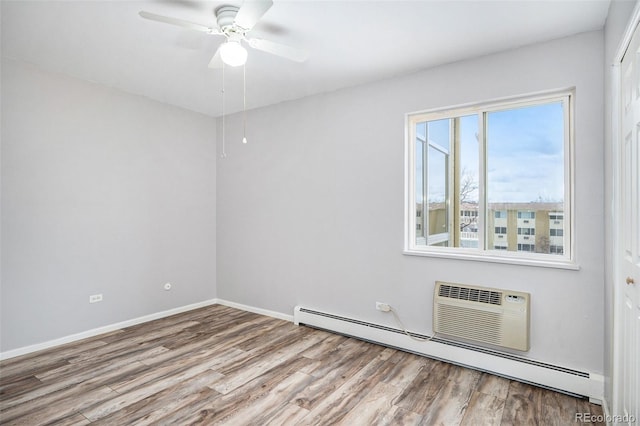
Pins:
x,y
95,298
384,307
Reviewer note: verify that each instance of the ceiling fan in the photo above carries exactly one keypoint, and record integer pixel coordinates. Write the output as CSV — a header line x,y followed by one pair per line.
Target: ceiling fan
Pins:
x,y
234,23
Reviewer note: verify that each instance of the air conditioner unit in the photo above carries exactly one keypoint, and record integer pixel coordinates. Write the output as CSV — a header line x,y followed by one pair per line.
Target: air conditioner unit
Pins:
x,y
487,315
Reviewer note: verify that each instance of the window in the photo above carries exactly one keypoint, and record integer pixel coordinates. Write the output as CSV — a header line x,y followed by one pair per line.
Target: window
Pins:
x,y
556,232
526,231
556,249
503,167
526,215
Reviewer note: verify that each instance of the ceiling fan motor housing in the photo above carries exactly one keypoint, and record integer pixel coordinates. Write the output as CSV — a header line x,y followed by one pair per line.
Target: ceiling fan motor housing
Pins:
x,y
225,15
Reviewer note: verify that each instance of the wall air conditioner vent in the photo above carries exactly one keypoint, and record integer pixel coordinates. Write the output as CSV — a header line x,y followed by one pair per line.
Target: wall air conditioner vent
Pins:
x,y
486,315
470,294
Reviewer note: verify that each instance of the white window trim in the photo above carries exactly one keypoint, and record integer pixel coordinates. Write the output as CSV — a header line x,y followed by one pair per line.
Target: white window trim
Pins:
x,y
564,261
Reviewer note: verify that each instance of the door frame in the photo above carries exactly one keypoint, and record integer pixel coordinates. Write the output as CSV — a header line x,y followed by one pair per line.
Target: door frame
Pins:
x,y
616,139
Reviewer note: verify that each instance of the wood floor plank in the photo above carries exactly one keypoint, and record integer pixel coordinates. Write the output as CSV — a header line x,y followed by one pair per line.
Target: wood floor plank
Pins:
x,y
494,385
222,340
350,355
17,374
73,420
154,408
241,373
329,343
220,365
281,338
422,391
243,326
267,405
451,402
161,372
281,351
400,416
290,414
151,327
337,405
483,409
134,395
23,362
558,408
278,331
523,405
18,386
87,366
226,406
375,408
145,334
63,410
69,385
198,400
406,369
338,367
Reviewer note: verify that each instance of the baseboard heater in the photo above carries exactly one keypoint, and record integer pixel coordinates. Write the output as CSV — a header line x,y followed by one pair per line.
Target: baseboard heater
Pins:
x,y
562,379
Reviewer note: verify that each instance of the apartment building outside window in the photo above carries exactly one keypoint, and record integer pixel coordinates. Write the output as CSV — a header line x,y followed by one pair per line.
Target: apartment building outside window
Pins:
x,y
493,179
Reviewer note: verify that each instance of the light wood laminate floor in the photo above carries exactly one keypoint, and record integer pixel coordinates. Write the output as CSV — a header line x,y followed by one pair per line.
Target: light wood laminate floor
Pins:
x,y
218,365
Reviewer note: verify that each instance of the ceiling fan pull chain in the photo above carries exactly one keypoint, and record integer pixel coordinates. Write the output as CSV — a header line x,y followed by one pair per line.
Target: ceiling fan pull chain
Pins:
x,y
224,152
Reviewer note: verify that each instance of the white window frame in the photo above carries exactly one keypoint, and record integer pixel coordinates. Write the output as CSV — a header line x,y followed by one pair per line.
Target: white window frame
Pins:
x,y
564,261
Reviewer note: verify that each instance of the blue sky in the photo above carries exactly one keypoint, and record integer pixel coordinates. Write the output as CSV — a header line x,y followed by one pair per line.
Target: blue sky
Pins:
x,y
526,154
525,150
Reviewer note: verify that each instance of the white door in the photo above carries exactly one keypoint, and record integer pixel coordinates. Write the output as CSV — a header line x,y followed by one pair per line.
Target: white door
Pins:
x,y
629,235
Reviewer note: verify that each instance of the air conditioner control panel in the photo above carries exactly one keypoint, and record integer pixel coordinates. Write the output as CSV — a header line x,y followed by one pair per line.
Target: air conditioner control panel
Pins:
x,y
514,299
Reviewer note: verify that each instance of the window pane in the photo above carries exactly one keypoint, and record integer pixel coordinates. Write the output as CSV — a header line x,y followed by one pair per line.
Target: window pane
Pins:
x,y
525,176
437,197
439,133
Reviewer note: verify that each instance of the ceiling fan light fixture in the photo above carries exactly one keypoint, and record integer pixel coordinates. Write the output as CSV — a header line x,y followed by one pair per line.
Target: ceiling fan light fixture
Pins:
x,y
233,54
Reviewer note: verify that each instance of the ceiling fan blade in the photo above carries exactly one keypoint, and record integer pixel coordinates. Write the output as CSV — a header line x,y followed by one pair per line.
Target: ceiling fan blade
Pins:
x,y
288,52
179,22
250,12
216,61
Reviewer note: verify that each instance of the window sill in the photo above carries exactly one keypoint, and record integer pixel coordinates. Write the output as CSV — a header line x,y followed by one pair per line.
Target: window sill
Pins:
x,y
511,260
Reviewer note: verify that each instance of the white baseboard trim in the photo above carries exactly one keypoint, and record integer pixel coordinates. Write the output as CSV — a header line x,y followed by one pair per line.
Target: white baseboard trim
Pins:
x,y
502,364
255,310
101,330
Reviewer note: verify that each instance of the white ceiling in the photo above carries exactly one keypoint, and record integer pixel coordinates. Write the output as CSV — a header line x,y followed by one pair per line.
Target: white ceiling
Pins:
x,y
349,42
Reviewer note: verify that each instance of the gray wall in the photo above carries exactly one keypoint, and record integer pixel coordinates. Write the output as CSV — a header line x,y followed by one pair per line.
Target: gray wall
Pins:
x,y
102,192
310,212
619,15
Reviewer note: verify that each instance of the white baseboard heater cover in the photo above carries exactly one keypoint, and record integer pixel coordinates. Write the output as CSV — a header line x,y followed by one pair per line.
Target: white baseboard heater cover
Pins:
x,y
574,382
485,315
